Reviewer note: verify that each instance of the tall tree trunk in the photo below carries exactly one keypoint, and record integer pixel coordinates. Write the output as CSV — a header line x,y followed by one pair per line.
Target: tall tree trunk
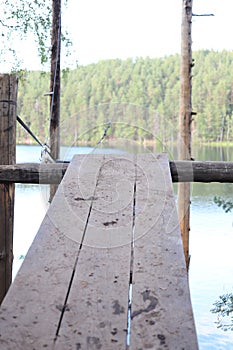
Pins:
x,y
55,86
185,120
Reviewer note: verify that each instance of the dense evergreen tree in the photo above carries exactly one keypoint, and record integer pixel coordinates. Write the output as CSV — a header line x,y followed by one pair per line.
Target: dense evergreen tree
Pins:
x,y
141,92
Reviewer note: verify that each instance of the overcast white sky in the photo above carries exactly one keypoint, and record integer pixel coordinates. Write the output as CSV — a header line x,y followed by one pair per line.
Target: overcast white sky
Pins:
x,y
106,29
128,28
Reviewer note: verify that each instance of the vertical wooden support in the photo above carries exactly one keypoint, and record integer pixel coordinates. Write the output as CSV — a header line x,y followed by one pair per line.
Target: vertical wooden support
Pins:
x,y
55,86
185,120
8,98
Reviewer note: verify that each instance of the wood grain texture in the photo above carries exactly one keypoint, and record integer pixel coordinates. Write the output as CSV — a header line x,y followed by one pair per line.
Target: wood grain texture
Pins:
x,y
30,313
99,293
161,315
8,97
112,219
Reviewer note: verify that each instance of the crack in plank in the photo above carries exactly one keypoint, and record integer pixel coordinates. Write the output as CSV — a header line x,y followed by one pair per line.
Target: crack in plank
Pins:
x,y
64,308
130,291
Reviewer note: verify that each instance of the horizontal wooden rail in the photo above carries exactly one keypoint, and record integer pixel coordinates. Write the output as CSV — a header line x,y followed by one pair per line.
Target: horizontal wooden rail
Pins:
x,y
181,171
201,171
33,173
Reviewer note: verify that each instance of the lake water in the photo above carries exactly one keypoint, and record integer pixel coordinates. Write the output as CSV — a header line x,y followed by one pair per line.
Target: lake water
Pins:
x,y
211,239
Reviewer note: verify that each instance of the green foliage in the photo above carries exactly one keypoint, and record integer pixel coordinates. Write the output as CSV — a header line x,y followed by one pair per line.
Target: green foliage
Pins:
x,y
32,105
142,93
23,18
224,309
226,205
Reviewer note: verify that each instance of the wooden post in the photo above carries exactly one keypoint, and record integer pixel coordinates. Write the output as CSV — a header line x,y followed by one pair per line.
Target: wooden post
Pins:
x,y
8,98
185,120
55,86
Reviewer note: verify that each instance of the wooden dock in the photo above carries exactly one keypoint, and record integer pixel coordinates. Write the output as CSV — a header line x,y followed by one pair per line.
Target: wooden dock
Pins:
x,y
106,269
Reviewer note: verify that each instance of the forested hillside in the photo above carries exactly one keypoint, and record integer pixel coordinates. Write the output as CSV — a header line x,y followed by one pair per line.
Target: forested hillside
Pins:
x,y
141,92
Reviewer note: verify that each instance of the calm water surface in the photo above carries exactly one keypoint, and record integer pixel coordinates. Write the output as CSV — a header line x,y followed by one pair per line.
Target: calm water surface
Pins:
x,y
211,239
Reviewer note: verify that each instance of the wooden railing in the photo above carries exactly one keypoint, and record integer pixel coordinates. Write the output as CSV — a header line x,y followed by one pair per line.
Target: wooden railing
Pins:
x,y
181,171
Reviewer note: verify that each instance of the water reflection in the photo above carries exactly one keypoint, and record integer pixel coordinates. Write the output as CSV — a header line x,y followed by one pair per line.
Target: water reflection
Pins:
x,y
223,308
30,208
211,267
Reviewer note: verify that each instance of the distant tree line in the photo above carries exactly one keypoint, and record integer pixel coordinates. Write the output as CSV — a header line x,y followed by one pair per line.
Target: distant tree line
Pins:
x,y
143,92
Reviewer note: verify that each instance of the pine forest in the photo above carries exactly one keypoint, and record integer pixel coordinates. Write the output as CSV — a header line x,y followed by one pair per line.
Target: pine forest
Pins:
x,y
140,97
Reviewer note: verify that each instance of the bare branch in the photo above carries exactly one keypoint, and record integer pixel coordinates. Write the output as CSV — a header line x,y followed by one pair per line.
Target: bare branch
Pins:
x,y
203,15
8,26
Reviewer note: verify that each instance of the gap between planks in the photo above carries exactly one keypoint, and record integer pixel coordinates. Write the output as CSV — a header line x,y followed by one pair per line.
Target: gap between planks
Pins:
x,y
109,257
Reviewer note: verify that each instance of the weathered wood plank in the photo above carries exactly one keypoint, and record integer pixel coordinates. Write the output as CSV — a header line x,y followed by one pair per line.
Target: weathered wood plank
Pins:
x,y
31,311
113,219
8,98
99,293
161,310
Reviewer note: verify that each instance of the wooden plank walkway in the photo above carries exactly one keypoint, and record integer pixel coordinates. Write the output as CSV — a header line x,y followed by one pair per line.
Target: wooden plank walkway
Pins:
x,y
106,269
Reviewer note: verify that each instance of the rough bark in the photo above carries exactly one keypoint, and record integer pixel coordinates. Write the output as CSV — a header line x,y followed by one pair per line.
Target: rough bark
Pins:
x,y
55,86
8,98
185,120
